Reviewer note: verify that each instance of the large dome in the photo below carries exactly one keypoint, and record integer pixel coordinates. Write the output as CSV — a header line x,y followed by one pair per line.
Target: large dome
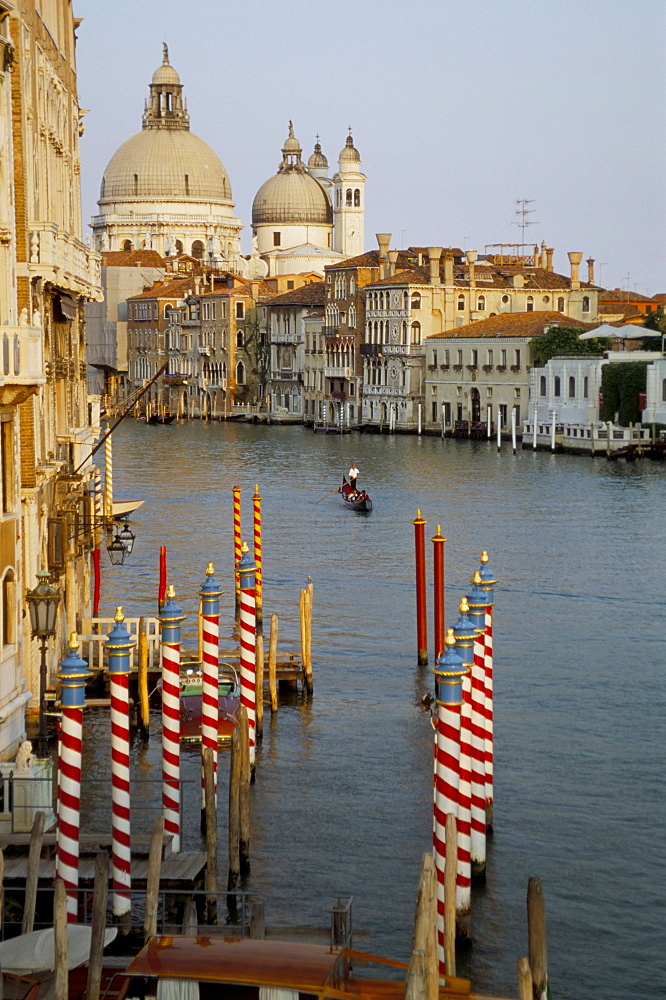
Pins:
x,y
165,165
291,197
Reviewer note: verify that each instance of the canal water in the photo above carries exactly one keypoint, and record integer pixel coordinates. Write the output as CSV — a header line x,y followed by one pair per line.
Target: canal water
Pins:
x,y
342,802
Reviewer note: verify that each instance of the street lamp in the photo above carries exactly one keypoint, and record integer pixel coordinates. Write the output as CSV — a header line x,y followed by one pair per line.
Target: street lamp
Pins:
x,y
127,537
43,604
117,551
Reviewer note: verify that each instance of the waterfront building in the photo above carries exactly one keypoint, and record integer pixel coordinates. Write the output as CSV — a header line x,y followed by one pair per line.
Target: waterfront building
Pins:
x,y
47,274
480,368
654,411
295,322
303,220
616,305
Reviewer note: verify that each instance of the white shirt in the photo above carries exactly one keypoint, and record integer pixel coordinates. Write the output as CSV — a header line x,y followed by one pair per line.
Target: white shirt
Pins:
x,y
353,472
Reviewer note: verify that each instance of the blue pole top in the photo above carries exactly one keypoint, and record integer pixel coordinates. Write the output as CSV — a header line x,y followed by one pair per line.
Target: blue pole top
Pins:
x,y
210,592
246,569
449,672
171,617
73,675
465,633
488,579
119,643
477,599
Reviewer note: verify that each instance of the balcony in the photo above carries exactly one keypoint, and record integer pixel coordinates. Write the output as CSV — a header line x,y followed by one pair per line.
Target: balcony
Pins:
x,y
334,372
21,363
63,259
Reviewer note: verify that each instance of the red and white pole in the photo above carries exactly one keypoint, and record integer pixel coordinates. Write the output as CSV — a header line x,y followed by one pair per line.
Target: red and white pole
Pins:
x,y
477,610
438,542
237,542
171,618
421,612
449,672
210,595
119,645
248,645
73,675
488,582
256,506
465,635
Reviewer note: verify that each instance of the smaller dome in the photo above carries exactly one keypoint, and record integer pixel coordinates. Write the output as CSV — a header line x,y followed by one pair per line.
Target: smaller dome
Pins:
x,y
317,161
291,197
291,143
166,74
349,154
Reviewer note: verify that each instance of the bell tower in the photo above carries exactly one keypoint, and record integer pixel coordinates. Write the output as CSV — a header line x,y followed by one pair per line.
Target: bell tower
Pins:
x,y
349,202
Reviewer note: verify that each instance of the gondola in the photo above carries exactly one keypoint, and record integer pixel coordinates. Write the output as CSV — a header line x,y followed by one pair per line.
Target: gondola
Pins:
x,y
354,499
166,418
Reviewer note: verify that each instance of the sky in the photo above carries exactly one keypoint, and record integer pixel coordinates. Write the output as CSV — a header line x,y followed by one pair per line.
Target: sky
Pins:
x,y
458,110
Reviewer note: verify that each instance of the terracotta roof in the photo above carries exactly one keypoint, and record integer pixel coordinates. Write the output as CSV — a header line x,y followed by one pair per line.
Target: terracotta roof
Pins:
x,y
132,258
660,297
618,309
619,295
313,294
530,324
371,259
486,276
166,289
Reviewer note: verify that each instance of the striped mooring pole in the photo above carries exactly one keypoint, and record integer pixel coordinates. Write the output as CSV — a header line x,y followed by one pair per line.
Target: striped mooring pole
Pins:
x,y
171,619
248,646
488,582
449,672
108,476
476,600
237,542
210,594
119,645
256,507
464,633
73,675
421,613
438,541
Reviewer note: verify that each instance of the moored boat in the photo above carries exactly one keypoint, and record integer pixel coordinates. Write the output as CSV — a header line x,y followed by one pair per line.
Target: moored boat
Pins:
x,y
355,499
191,684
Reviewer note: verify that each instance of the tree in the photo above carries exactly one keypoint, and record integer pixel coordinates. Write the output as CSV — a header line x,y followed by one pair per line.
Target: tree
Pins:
x,y
256,344
559,340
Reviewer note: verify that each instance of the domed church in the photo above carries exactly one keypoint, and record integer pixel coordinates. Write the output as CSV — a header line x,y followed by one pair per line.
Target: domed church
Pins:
x,y
303,220
165,189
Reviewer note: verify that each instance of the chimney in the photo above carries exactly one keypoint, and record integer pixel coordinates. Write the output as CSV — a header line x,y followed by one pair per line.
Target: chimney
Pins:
x,y
543,258
419,259
383,239
448,268
393,260
574,260
197,285
590,270
549,258
471,260
434,254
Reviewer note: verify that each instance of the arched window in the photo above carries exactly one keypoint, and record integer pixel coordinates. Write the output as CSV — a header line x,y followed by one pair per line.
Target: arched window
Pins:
x,y
542,385
416,300
8,609
198,249
461,303
239,339
187,185
585,387
127,245
349,197
179,247
586,303
416,333
505,300
136,184
530,304
240,373
572,387
357,198
404,332
556,390
481,303
560,304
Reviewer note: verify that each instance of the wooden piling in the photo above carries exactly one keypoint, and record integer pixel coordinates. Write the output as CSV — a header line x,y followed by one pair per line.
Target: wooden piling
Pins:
x,y
211,835
536,935
258,920
244,797
190,918
272,662
142,680
60,940
450,870
34,856
304,641
424,939
234,808
259,674
524,979
309,591
2,896
415,985
153,878
98,926
421,619
200,634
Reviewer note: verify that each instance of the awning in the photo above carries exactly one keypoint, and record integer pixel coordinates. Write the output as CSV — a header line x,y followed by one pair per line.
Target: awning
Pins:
x,y
68,307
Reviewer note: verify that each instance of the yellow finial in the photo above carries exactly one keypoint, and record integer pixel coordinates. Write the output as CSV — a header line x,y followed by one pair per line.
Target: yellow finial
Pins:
x,y
171,591
476,578
119,616
210,569
450,639
484,556
439,529
464,606
244,547
256,487
73,640
418,512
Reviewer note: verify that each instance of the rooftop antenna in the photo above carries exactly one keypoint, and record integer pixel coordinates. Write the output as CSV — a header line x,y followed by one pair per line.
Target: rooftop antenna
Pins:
x,y
523,213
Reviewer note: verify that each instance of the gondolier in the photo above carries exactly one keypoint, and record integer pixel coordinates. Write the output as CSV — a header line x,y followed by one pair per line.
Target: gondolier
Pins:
x,y
353,475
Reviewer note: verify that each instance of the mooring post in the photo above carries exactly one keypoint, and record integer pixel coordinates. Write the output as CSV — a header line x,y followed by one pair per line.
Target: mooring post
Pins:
x,y
119,645
256,509
499,429
108,475
424,938
153,878
209,768
513,429
536,933
234,808
171,619
73,675
34,857
272,663
450,876
438,541
237,543
476,600
464,634
259,686
244,794
488,582
142,680
309,591
421,614
449,672
98,925
209,594
248,631
525,986
61,918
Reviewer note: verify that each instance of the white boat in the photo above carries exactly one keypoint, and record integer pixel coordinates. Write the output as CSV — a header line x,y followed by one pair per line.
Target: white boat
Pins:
x,y
123,508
